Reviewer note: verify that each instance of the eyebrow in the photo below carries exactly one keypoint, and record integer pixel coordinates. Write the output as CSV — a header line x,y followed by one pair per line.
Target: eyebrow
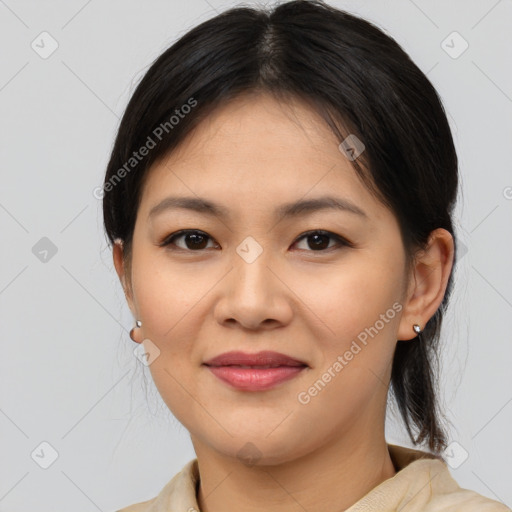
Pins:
x,y
294,209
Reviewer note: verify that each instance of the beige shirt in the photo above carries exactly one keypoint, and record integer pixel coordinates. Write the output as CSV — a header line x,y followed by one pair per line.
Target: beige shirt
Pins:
x,y
422,484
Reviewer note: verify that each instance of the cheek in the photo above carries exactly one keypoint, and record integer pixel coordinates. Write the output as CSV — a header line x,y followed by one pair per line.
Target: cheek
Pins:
x,y
345,299
169,301
360,304
167,298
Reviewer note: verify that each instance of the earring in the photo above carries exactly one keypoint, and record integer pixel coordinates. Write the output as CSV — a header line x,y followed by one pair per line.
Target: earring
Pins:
x,y
138,323
416,328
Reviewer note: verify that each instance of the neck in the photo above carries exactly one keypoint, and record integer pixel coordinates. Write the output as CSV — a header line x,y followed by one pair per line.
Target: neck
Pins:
x,y
333,478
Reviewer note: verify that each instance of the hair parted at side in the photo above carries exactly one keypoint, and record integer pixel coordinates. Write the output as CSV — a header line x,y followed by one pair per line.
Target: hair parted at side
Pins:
x,y
361,82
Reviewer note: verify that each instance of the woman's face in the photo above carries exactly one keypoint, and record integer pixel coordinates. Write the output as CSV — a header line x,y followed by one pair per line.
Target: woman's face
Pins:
x,y
252,281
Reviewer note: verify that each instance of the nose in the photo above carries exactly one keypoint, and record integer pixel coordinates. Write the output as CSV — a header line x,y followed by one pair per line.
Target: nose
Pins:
x,y
254,296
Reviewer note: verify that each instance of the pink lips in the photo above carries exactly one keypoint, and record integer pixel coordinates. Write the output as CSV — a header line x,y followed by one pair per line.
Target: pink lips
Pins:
x,y
254,372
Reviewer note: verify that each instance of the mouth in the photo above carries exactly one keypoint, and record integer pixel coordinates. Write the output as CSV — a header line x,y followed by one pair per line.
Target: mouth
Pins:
x,y
267,358
255,372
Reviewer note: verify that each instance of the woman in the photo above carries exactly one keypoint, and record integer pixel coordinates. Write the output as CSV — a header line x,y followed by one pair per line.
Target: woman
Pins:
x,y
279,200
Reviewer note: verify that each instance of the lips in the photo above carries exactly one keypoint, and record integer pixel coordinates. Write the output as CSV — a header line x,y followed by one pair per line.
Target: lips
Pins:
x,y
265,359
255,372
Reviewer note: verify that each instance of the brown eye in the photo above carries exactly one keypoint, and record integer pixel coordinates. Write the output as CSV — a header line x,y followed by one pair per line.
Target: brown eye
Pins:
x,y
194,240
318,240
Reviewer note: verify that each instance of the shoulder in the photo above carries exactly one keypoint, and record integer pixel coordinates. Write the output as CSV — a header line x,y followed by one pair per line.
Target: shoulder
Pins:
x,y
465,500
424,483
448,496
178,494
143,506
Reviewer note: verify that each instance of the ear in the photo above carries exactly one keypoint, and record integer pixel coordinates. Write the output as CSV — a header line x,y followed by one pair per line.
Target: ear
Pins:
x,y
121,271
427,283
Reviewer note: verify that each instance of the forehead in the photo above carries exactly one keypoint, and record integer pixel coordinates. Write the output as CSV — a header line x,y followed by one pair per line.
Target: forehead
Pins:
x,y
255,152
261,128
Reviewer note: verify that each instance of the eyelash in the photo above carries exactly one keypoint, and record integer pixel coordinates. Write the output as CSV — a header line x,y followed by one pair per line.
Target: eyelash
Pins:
x,y
168,241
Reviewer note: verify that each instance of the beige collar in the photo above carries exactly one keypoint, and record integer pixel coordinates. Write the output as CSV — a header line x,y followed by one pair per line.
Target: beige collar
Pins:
x,y
422,483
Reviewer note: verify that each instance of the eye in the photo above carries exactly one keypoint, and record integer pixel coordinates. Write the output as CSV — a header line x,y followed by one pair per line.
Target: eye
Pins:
x,y
319,240
195,240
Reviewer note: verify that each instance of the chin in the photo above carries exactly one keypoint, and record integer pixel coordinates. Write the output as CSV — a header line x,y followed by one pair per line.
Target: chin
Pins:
x,y
261,449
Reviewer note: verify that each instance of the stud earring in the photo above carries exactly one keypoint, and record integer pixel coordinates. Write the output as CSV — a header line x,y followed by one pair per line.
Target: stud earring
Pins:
x,y
416,328
138,323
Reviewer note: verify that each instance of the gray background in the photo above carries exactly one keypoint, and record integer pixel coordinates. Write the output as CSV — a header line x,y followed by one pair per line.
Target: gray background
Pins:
x,y
68,374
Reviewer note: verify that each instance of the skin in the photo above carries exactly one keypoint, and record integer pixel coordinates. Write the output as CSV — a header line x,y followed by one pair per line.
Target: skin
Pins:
x,y
252,155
